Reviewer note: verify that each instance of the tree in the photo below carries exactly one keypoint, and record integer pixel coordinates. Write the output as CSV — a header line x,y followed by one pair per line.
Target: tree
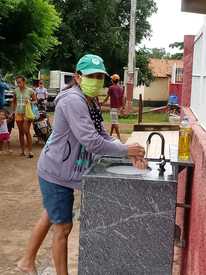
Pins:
x,y
5,6
145,75
27,28
161,52
180,47
100,27
158,53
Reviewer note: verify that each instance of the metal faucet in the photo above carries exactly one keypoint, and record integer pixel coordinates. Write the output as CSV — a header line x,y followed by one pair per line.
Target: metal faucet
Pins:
x,y
162,156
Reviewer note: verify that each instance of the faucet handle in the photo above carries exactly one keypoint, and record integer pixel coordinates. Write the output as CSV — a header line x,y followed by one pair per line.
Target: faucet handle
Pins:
x,y
162,164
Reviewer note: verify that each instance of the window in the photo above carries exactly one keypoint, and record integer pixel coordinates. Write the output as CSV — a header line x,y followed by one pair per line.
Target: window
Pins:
x,y
179,75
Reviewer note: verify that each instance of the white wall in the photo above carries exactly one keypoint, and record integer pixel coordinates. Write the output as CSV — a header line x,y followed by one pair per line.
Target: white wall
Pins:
x,y
198,94
137,91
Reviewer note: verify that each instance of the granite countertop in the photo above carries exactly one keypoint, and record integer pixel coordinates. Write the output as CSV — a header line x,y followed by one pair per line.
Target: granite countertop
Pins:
x,y
99,170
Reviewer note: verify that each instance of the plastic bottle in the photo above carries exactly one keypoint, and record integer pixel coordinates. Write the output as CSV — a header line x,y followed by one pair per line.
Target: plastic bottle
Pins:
x,y
185,137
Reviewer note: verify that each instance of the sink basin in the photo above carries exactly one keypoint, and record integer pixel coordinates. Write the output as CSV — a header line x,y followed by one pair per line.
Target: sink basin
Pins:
x,y
127,169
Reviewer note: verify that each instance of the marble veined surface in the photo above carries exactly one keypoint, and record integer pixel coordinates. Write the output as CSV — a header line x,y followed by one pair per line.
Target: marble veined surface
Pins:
x,y
126,225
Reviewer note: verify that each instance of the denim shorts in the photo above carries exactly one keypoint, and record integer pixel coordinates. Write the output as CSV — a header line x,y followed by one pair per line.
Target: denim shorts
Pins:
x,y
58,201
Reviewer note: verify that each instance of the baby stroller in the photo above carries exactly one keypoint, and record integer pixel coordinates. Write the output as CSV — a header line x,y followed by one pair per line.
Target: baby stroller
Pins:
x,y
41,125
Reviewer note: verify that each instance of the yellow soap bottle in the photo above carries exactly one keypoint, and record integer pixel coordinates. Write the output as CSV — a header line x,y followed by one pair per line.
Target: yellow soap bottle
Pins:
x,y
185,137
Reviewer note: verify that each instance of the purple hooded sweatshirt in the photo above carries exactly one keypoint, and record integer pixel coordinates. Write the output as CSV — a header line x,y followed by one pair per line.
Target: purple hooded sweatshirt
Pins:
x,y
73,129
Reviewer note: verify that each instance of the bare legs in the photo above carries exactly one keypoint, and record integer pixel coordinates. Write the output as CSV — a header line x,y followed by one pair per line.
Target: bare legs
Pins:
x,y
27,126
116,128
5,144
27,263
24,129
20,125
59,245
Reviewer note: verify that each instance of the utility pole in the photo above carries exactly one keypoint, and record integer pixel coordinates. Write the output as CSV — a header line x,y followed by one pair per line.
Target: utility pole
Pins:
x,y
131,55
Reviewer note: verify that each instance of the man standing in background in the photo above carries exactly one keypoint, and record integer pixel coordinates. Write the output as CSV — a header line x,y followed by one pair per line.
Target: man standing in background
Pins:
x,y
116,95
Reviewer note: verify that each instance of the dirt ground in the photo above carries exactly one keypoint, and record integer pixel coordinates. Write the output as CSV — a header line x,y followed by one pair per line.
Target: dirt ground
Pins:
x,y
20,207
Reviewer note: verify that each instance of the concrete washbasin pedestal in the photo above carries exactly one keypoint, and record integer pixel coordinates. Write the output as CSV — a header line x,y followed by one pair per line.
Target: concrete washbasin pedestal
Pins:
x,y
127,219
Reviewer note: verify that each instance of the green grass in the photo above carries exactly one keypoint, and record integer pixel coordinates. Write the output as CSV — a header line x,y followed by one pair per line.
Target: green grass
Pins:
x,y
131,119
152,117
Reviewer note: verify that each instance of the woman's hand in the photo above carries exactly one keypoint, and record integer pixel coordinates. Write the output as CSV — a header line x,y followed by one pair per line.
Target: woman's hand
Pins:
x,y
140,163
136,150
26,100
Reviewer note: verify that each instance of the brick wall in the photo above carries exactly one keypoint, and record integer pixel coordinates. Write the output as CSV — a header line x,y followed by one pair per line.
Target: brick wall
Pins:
x,y
187,74
194,255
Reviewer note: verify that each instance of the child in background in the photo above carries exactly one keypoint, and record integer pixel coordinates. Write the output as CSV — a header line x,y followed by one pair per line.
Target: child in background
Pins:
x,y
4,133
10,118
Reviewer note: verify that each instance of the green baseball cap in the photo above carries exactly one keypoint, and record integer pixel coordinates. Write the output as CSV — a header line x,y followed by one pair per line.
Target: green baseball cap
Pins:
x,y
91,64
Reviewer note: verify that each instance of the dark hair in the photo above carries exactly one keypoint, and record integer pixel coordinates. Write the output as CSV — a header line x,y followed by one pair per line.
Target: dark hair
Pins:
x,y
72,82
21,77
3,111
79,72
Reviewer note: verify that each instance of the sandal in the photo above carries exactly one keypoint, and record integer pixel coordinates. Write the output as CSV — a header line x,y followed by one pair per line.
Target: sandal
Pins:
x,y
26,272
30,155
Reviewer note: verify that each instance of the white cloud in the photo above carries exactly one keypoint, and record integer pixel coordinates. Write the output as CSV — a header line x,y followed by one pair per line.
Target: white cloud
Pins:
x,y
169,24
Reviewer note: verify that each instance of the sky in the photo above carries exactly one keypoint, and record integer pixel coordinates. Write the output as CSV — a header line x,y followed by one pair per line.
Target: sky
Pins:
x,y
169,24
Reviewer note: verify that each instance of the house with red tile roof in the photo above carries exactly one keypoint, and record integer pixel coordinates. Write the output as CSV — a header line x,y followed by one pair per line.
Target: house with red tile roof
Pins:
x,y
164,71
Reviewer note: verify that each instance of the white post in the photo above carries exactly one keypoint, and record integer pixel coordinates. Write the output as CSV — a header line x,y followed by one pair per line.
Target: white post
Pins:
x,y
132,37
131,55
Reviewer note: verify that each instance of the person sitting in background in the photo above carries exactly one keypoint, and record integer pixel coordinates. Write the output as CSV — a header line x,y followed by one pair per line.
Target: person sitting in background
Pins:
x,y
4,133
116,95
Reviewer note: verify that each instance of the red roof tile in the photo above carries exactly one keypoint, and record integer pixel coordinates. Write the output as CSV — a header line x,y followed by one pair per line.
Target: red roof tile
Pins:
x,y
163,67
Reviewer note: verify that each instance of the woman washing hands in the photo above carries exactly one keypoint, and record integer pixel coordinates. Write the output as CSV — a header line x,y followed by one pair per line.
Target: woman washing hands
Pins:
x,y
137,159
78,134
